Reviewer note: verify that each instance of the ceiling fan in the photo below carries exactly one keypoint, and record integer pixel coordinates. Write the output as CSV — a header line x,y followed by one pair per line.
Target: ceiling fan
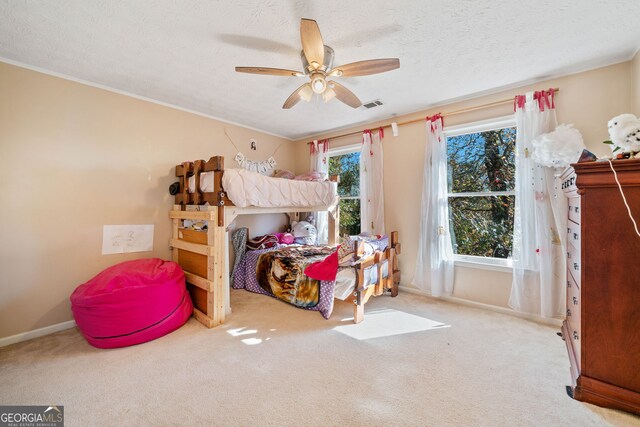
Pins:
x,y
317,63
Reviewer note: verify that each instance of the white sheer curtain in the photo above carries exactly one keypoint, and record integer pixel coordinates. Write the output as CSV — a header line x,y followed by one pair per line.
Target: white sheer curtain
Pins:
x,y
434,266
371,183
539,264
320,163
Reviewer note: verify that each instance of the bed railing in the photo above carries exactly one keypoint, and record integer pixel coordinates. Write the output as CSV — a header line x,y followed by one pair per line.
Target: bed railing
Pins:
x,y
186,170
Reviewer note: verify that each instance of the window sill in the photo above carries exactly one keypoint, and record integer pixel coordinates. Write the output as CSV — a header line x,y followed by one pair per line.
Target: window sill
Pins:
x,y
484,264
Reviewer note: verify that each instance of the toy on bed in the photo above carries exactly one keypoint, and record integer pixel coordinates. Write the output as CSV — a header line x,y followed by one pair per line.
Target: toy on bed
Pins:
x,y
304,232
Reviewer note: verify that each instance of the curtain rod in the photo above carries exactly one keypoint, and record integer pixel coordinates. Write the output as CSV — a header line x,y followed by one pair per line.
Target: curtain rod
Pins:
x,y
450,113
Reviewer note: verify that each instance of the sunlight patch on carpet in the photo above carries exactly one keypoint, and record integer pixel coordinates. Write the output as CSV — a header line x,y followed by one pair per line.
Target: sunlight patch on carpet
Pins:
x,y
384,323
241,331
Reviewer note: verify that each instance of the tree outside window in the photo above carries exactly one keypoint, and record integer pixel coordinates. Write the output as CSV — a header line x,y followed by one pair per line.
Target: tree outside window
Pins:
x,y
347,165
481,179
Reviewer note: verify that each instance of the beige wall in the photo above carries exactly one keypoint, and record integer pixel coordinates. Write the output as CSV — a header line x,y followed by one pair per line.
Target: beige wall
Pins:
x,y
73,158
635,83
588,100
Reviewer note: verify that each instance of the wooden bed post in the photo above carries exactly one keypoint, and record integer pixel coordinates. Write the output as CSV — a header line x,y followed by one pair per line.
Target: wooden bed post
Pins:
x,y
394,270
334,217
175,234
358,310
334,225
195,198
216,267
201,256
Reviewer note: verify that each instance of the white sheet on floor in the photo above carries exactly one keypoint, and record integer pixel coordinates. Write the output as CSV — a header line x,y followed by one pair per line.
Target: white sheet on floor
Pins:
x,y
245,188
345,283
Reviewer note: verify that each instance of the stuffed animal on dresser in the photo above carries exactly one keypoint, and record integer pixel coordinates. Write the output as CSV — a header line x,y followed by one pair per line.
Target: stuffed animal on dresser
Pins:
x,y
624,131
304,232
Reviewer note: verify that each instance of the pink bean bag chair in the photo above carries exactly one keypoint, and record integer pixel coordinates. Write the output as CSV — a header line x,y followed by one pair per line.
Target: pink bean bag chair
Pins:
x,y
131,303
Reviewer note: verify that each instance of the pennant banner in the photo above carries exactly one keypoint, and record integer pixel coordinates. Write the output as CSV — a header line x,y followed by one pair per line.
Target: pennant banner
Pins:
x,y
264,167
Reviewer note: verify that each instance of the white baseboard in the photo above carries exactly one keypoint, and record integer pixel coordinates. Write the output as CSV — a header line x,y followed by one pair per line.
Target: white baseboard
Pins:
x,y
497,309
29,335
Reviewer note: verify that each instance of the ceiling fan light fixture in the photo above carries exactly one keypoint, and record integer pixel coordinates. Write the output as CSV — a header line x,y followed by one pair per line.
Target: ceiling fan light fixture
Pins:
x,y
306,93
328,94
318,84
317,63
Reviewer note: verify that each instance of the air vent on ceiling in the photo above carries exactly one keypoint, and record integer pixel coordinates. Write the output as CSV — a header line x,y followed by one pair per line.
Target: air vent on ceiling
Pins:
x,y
372,104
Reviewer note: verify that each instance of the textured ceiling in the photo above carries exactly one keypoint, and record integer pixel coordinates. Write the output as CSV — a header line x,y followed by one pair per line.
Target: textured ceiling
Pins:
x,y
184,52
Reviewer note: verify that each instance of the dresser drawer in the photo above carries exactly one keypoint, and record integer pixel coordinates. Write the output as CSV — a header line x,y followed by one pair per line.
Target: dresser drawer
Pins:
x,y
573,304
574,314
574,264
573,280
569,183
574,209
574,235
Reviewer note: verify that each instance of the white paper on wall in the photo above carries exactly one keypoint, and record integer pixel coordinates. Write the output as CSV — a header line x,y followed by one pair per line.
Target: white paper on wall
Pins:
x,y
119,239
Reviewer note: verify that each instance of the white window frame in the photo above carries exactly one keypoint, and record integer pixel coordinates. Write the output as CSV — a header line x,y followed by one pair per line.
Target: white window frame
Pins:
x,y
339,151
490,263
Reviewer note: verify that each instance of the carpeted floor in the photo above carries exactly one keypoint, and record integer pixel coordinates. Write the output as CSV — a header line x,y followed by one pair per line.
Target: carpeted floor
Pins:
x,y
414,361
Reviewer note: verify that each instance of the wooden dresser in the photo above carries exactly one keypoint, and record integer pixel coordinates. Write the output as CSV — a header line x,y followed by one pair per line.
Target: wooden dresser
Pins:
x,y
602,328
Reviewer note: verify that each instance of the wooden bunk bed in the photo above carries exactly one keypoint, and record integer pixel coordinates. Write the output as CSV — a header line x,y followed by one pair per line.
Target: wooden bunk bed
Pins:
x,y
204,255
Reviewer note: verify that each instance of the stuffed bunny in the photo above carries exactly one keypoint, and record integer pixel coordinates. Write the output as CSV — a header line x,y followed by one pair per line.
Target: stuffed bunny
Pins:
x,y
304,232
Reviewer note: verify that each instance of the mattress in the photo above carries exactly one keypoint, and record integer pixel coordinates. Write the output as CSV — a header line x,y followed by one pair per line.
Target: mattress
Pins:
x,y
245,188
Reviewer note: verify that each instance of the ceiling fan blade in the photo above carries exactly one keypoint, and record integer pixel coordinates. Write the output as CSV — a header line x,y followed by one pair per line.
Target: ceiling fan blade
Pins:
x,y
268,71
312,44
365,68
302,92
345,95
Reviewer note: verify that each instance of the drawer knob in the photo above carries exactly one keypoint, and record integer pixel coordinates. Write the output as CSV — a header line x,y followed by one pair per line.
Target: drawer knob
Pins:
x,y
568,284
568,312
575,266
575,335
575,301
575,236
568,254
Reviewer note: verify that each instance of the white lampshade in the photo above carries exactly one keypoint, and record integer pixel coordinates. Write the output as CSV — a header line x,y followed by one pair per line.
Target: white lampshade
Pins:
x,y
328,94
318,84
306,93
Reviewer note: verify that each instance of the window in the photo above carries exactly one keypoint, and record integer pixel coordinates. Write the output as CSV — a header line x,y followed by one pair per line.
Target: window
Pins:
x,y
481,182
346,163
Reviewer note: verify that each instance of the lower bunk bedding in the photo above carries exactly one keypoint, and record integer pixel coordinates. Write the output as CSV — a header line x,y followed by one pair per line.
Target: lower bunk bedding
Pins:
x,y
310,277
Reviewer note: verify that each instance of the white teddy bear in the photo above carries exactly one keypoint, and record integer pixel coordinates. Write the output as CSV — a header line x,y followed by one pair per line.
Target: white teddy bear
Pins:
x,y
304,232
624,131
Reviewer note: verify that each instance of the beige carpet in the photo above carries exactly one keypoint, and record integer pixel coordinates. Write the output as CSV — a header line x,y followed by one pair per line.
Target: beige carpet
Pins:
x,y
433,364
